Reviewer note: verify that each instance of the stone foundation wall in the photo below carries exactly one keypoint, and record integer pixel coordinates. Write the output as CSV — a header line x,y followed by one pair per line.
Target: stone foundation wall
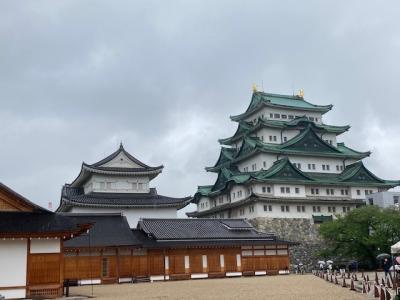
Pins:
x,y
303,231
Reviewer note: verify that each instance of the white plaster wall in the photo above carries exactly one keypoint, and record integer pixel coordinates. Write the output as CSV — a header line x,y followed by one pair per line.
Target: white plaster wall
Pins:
x,y
354,195
258,159
132,214
277,213
329,137
50,245
292,187
119,184
13,293
13,264
235,189
319,161
266,111
383,199
204,204
122,161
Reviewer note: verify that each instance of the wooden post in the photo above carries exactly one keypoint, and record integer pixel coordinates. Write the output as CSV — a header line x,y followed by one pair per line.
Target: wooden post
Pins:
x,y
28,258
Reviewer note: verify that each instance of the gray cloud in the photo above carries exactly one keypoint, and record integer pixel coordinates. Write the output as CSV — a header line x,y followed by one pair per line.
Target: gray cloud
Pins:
x,y
77,77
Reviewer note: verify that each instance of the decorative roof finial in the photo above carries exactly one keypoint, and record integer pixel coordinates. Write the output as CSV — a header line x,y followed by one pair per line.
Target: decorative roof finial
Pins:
x,y
120,145
254,87
301,93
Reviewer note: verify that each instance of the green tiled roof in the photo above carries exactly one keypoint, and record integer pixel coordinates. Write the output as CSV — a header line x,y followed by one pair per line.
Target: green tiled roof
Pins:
x,y
307,142
225,157
283,171
247,128
260,99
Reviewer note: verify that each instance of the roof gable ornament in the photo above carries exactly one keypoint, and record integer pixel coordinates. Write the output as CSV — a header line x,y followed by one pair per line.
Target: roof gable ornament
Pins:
x,y
301,93
254,88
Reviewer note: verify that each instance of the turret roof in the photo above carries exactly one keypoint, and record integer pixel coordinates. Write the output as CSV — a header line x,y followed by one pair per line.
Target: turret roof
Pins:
x,y
261,99
132,167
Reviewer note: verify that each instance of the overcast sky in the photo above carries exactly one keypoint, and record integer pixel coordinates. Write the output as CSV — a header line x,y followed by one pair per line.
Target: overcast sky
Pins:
x,y
77,77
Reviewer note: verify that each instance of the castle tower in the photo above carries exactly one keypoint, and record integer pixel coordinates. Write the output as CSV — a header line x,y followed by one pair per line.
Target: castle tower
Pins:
x,y
283,161
119,183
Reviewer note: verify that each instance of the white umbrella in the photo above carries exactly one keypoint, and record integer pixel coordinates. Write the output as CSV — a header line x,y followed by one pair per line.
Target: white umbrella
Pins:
x,y
329,262
321,262
395,248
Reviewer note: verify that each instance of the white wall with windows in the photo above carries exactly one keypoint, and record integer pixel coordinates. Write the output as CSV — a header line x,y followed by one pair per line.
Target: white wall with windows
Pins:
x,y
114,184
280,114
132,214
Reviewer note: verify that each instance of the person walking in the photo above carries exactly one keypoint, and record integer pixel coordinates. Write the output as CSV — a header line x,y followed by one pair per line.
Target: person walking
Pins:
x,y
386,267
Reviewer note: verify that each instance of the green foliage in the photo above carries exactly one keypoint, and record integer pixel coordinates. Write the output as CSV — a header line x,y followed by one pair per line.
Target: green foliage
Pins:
x,y
361,234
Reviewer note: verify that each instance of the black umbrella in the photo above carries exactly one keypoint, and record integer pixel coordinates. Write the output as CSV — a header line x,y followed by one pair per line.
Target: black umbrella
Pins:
x,y
382,256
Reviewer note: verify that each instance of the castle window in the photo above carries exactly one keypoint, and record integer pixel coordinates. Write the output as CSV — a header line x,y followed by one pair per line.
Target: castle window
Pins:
x,y
241,211
287,190
267,207
341,168
285,208
337,168
285,139
275,138
271,116
270,138
395,199
358,192
277,116
251,209
265,164
297,190
327,167
282,190
301,208
291,117
284,116
268,189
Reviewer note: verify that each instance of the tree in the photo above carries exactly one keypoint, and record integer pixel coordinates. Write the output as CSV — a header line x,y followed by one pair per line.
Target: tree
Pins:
x,y
361,234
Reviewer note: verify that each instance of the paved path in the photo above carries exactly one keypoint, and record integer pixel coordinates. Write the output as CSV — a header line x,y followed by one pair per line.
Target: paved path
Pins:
x,y
306,287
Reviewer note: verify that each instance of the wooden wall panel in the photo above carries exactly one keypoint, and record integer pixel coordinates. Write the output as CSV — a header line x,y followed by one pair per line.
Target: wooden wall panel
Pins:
x,y
89,267
213,262
70,267
44,269
230,262
177,264
125,266
156,264
139,266
196,263
247,263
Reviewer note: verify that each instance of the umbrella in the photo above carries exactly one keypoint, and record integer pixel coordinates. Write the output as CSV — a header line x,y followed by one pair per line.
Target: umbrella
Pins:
x,y
300,264
383,256
321,262
329,262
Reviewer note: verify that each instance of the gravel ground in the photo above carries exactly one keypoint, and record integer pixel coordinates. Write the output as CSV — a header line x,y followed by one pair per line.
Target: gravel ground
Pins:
x,y
266,287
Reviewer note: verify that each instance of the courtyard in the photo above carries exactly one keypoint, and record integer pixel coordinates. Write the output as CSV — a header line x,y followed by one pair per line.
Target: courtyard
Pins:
x,y
264,287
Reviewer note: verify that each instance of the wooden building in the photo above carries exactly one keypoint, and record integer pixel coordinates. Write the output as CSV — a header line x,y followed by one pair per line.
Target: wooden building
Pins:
x,y
171,249
31,247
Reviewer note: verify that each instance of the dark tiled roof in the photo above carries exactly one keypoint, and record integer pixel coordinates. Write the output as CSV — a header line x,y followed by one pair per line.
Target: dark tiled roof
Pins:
x,y
201,229
109,230
35,223
77,197
127,154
